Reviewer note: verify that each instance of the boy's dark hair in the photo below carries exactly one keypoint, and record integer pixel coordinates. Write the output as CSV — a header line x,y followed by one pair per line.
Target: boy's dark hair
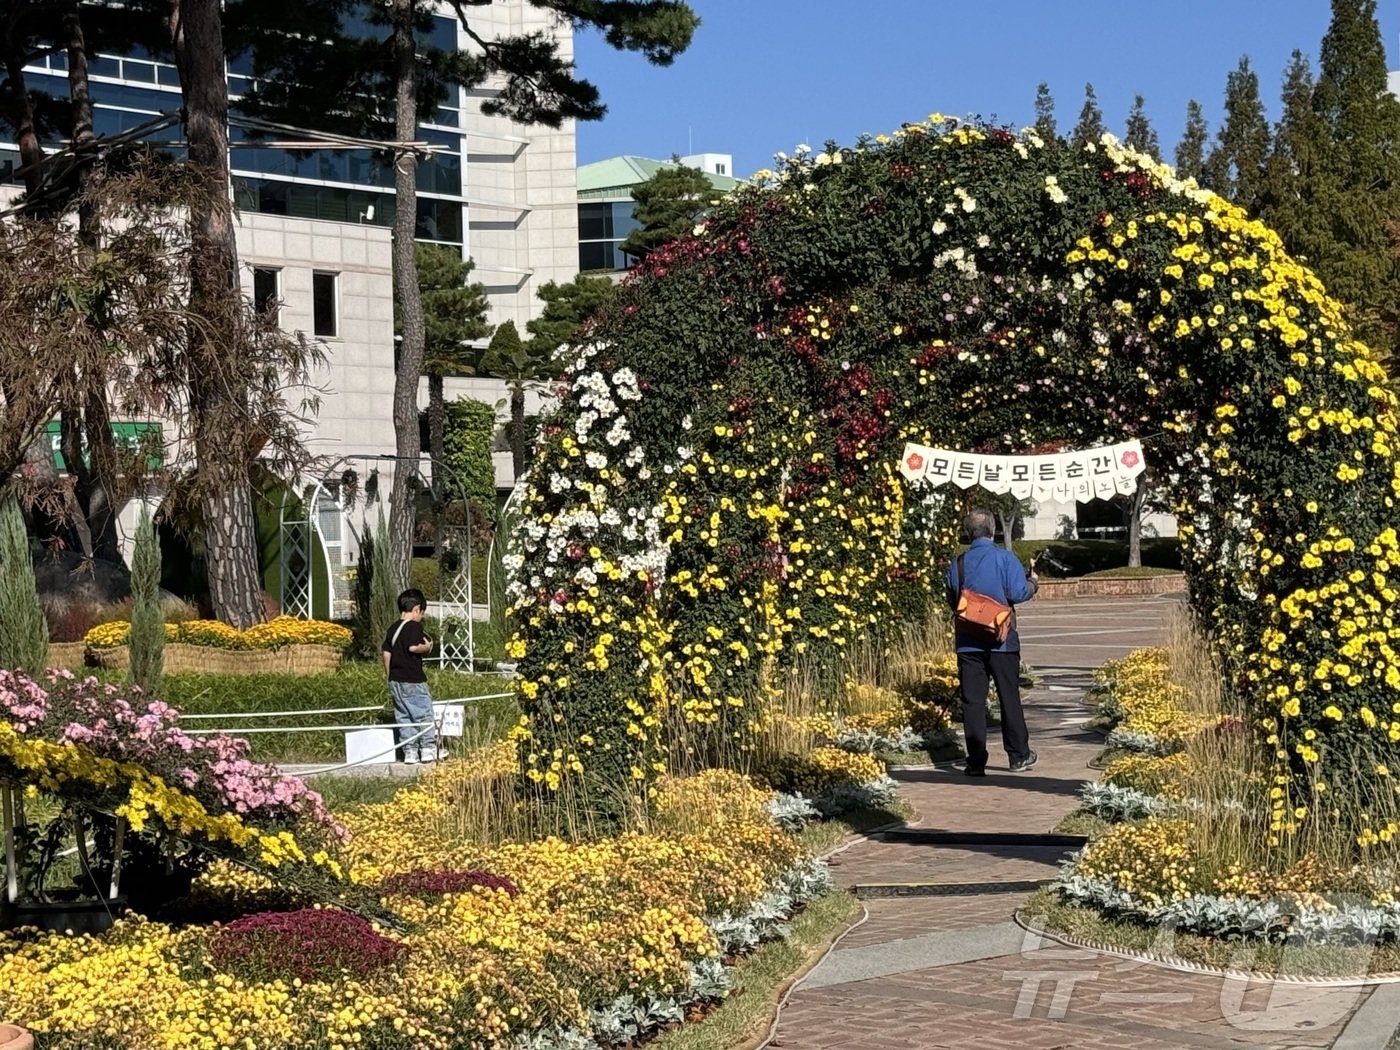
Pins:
x,y
412,599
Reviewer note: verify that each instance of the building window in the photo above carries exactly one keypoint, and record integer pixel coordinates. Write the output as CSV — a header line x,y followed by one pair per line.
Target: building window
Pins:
x,y
720,169
324,308
267,290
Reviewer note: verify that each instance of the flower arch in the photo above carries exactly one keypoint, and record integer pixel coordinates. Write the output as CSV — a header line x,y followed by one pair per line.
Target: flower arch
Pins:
x,y
718,490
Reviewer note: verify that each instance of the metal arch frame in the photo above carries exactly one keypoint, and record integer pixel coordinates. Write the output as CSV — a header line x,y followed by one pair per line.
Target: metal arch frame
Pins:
x,y
517,494
455,593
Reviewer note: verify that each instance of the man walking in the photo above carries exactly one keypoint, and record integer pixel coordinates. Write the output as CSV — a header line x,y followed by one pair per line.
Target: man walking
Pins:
x,y
989,570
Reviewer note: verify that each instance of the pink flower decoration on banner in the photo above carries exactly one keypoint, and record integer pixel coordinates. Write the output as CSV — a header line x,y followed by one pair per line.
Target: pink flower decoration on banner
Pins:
x,y
1130,459
915,461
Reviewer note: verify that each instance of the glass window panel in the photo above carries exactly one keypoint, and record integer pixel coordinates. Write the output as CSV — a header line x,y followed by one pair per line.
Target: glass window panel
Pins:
x,y
144,71
267,289
594,255
594,222
325,321
105,66
58,60
168,76
443,35
624,219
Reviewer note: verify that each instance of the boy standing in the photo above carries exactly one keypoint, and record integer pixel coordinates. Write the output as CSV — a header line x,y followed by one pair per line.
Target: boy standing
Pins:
x,y
404,648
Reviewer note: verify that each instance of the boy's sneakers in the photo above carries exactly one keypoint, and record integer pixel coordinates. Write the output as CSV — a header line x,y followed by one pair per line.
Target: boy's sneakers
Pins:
x,y
410,758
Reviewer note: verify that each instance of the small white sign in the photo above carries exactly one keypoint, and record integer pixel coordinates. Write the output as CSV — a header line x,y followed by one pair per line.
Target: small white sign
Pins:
x,y
370,746
450,718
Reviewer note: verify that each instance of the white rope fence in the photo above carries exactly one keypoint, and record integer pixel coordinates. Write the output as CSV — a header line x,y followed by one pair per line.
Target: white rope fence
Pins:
x,y
422,727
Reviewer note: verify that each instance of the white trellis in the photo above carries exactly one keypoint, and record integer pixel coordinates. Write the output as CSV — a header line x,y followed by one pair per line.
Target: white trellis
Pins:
x,y
320,527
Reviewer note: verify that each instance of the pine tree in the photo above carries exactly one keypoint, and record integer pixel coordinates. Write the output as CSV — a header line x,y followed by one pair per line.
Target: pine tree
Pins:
x,y
1238,165
24,635
1045,115
454,316
522,365
566,308
669,204
1359,189
1090,127
1298,178
147,642
1191,150
1139,134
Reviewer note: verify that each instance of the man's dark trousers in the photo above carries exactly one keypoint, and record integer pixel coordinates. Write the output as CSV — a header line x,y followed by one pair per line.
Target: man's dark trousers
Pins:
x,y
975,670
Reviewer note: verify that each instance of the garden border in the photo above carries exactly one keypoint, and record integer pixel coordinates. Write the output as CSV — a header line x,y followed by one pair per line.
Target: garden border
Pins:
x,y
1110,587
1174,962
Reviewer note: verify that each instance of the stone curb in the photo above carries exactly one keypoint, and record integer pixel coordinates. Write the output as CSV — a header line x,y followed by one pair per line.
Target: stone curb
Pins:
x,y
1110,587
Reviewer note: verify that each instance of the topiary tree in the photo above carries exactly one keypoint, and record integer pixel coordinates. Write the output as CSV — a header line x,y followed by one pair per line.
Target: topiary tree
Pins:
x,y
24,636
147,641
719,491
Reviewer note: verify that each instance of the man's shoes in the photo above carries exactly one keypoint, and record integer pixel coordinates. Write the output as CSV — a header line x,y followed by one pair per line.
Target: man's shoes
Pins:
x,y
1025,763
971,771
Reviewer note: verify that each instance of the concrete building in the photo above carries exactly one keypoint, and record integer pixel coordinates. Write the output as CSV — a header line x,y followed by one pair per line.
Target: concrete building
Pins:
x,y
313,224
606,208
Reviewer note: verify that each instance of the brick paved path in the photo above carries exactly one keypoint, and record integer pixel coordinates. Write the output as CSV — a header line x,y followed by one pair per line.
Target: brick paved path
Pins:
x,y
953,971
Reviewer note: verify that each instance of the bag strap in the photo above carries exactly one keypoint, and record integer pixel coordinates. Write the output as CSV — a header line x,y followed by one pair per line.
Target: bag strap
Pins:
x,y
960,571
395,640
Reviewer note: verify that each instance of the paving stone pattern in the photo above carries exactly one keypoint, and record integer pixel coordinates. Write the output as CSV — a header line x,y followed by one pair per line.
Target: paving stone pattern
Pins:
x,y
890,985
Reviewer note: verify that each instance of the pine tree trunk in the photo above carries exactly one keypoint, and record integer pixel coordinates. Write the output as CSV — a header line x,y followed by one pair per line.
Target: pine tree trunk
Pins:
x,y
407,445
218,380
517,428
31,153
437,439
95,486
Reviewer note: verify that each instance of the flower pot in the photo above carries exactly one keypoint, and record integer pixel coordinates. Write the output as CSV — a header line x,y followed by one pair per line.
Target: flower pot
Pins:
x,y
12,1038
76,916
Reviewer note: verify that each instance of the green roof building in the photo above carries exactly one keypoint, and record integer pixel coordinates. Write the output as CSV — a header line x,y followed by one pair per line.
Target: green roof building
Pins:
x,y
605,202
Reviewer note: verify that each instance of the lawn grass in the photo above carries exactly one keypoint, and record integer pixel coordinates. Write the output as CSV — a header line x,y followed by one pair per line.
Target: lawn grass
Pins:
x,y
1081,822
825,835
353,685
1046,909
761,978
345,794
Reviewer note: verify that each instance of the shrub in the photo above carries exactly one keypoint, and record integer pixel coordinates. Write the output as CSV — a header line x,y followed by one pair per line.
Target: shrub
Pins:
x,y
383,597
821,770
313,944
147,625
24,636
430,883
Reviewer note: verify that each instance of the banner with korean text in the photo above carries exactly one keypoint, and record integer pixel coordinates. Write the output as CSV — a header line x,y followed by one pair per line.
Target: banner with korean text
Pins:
x,y
1096,473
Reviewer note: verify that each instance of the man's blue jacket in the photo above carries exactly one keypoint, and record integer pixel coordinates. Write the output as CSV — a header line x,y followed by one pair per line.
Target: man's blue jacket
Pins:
x,y
997,573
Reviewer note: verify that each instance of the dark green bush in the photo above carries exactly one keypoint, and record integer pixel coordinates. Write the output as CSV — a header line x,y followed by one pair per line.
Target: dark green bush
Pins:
x,y
1088,556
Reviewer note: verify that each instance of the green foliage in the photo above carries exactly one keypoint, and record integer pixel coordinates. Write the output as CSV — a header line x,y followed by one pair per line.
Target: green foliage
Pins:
x,y
1191,150
669,204
468,433
506,352
521,365
147,638
24,636
383,588
1238,165
566,309
354,685
423,573
1090,126
1087,557
1045,114
454,311
1139,134
1335,174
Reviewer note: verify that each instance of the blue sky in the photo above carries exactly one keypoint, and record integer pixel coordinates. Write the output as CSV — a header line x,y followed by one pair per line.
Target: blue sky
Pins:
x,y
764,75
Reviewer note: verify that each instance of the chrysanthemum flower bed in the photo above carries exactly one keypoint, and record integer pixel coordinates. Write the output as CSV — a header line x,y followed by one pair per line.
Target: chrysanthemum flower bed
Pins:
x,y
1179,853
521,944
274,634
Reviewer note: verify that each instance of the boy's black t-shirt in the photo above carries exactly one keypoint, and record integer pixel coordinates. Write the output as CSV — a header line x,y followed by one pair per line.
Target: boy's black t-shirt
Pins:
x,y
405,666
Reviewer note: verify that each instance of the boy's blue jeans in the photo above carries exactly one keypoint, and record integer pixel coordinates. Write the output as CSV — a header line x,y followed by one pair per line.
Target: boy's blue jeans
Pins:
x,y
414,704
